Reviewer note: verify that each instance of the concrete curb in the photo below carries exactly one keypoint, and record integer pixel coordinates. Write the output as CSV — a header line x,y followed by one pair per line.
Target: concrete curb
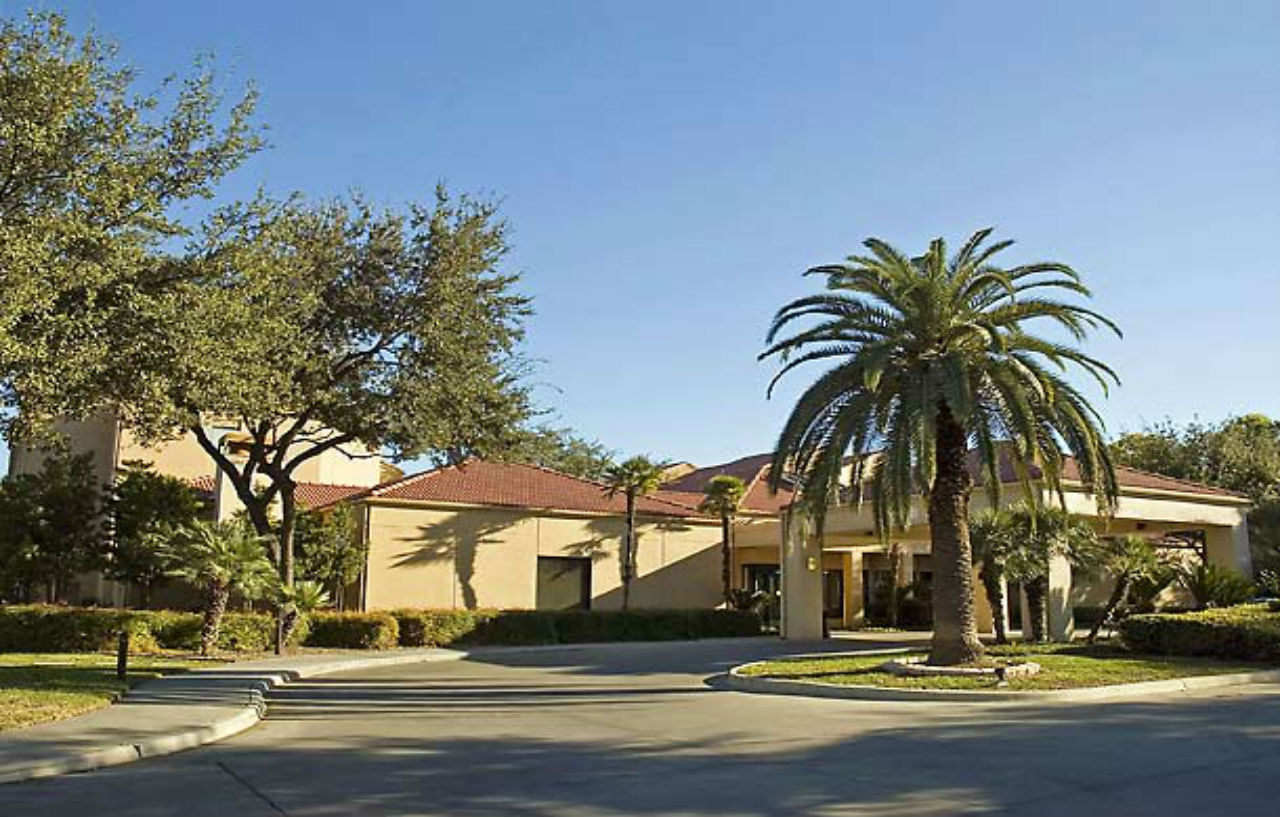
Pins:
x,y
817,689
239,718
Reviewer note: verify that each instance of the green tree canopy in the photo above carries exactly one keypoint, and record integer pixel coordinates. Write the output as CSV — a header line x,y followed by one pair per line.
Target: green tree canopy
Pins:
x,y
929,354
328,327
560,449
50,526
93,172
1240,454
142,509
329,551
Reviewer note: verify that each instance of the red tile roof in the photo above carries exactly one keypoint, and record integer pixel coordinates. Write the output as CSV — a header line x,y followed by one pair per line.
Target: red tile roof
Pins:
x,y
1127,477
309,494
317,495
753,470
516,485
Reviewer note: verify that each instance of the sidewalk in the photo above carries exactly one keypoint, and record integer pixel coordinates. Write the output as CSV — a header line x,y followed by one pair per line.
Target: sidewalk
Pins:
x,y
176,712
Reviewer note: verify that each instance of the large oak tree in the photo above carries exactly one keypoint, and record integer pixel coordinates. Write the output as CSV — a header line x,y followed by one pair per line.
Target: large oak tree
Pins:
x,y
333,327
94,173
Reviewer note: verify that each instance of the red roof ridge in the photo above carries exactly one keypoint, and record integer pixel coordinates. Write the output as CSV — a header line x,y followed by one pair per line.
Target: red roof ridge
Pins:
x,y
411,479
603,486
1188,482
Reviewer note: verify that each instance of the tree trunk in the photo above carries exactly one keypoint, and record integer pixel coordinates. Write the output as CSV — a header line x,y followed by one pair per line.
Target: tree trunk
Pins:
x,y
628,552
895,593
286,616
726,558
288,522
1037,594
215,604
993,586
955,630
1117,596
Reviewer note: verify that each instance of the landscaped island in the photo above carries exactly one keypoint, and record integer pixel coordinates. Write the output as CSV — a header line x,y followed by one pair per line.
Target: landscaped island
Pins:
x,y
1155,647
1063,666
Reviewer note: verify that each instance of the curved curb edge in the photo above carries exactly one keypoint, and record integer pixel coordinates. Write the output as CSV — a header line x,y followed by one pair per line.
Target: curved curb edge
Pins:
x,y
241,719
816,689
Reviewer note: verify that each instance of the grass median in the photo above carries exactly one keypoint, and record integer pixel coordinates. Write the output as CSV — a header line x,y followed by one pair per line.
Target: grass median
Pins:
x,y
40,687
1063,666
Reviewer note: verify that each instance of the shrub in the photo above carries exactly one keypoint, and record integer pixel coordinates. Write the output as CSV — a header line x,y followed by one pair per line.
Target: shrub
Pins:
x,y
238,632
438,628
1214,585
354,631
50,628
725,624
1247,632
443,628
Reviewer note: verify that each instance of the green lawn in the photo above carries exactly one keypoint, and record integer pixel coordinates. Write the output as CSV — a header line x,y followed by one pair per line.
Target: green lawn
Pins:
x,y
35,688
1064,666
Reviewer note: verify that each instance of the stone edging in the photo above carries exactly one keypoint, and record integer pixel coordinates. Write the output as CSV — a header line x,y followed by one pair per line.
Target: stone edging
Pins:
x,y
817,689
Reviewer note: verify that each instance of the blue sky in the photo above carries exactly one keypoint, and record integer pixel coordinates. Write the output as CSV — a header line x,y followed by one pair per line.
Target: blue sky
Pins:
x,y
669,169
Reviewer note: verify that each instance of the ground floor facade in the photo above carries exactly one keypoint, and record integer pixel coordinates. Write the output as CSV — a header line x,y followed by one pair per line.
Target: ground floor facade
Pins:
x,y
469,557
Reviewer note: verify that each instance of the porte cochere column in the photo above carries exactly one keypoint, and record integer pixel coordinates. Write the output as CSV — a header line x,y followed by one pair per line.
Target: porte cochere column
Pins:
x,y
801,579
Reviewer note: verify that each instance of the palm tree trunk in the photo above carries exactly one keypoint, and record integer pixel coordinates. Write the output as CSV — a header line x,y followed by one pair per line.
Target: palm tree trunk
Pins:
x,y
993,586
726,558
1037,593
628,552
215,604
1117,596
895,592
955,630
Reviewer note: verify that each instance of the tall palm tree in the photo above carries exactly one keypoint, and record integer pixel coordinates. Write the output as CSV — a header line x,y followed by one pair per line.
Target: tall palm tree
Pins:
x,y
221,557
723,497
633,478
933,354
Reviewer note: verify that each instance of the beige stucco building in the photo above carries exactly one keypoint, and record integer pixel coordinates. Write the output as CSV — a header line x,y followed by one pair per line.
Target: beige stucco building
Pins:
x,y
333,475
507,535
514,536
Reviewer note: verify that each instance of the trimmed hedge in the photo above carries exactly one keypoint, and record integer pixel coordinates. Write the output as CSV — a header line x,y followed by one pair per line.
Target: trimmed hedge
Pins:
x,y
1249,632
49,628
238,632
354,631
444,628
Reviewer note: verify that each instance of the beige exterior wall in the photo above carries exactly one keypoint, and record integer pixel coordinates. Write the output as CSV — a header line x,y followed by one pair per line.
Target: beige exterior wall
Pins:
x,y
467,557
183,457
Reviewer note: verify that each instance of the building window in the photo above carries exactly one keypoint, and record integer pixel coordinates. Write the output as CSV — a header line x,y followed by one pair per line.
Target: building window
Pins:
x,y
564,583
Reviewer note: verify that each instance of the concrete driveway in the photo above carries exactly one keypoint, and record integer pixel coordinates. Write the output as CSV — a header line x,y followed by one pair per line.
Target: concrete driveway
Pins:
x,y
637,730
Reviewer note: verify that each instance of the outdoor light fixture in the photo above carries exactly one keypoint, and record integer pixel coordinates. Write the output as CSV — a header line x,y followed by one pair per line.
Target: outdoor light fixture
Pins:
x,y
811,563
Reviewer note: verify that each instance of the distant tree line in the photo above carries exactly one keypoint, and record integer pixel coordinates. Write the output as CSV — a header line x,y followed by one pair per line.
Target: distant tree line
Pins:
x,y
1240,454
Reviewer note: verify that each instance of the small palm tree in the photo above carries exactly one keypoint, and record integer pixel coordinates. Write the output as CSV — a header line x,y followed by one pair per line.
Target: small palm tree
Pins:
x,y
304,598
932,354
221,557
1128,559
1036,537
633,478
723,497
989,536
